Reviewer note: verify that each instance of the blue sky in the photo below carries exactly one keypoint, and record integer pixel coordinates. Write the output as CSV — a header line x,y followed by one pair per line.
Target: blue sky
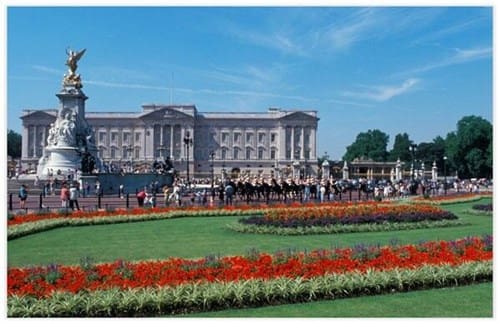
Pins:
x,y
398,69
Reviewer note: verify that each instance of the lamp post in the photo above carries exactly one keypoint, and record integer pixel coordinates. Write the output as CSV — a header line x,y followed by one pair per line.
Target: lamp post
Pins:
x,y
130,149
212,155
444,166
188,141
161,148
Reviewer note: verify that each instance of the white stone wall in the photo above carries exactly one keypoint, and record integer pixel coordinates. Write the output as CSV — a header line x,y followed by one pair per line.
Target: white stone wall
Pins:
x,y
159,131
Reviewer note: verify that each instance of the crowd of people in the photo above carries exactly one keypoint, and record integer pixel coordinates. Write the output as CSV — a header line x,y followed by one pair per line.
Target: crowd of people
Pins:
x,y
256,189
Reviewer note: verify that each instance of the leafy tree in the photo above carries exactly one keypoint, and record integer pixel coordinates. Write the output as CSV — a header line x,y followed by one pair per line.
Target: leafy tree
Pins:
x,y
400,149
370,145
14,144
469,148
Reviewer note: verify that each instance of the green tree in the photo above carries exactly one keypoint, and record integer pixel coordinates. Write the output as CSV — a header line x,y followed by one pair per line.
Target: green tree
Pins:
x,y
400,149
14,144
469,149
370,145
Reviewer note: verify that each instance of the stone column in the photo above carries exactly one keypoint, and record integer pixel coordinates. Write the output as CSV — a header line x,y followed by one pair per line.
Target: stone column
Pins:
x,y
434,171
282,143
326,169
172,142
312,138
303,148
398,170
34,141
25,148
345,171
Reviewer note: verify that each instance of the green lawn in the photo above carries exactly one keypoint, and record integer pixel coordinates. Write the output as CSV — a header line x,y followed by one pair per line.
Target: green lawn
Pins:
x,y
466,301
199,237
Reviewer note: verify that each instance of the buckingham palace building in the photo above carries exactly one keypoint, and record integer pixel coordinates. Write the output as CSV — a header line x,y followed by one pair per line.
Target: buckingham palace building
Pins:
x,y
276,142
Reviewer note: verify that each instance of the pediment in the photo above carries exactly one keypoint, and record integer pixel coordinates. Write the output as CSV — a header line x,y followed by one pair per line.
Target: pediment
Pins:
x,y
39,115
165,113
299,116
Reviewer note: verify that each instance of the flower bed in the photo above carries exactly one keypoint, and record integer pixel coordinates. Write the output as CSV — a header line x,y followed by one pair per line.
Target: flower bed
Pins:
x,y
346,218
452,198
22,225
483,208
178,285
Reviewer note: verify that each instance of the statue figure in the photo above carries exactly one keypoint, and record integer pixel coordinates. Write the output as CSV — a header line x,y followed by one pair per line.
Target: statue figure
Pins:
x,y
52,138
72,78
67,128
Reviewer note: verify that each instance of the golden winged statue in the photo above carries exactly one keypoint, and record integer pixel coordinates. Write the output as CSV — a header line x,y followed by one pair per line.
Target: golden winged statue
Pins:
x,y
72,78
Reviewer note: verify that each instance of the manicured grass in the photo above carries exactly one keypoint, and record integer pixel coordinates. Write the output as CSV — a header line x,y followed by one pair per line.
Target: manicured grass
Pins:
x,y
199,237
467,301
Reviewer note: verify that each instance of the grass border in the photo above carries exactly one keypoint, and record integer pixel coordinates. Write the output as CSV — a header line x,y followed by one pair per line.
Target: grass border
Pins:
x,y
343,228
249,293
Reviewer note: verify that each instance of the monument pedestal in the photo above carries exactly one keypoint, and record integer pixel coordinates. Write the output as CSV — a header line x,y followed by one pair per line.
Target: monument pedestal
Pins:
x,y
70,137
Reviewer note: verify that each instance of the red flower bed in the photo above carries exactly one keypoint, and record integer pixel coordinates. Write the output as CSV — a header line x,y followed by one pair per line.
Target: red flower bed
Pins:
x,y
34,217
453,197
348,214
43,281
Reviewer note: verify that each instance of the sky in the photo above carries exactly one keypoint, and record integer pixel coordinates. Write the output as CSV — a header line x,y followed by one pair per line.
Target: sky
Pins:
x,y
417,70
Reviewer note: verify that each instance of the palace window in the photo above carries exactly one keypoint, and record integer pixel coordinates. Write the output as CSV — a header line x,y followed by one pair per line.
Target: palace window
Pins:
x,y
248,153
237,137
249,138
236,154
261,153
273,137
262,138
102,137
126,137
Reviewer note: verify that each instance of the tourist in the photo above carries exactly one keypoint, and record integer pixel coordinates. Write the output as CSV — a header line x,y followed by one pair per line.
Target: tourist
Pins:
x,y
166,193
229,190
141,195
64,196
73,197
23,195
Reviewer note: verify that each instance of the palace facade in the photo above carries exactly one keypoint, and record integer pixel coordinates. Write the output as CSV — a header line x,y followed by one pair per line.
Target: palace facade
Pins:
x,y
276,142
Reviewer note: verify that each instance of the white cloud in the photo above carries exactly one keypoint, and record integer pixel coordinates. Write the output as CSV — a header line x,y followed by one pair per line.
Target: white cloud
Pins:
x,y
383,93
460,56
46,69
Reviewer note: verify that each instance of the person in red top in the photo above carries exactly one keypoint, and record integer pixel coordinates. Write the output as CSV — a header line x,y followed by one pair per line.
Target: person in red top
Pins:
x,y
64,196
141,195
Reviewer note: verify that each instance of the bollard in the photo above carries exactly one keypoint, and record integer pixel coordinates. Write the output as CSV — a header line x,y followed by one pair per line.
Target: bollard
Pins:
x,y
10,201
128,201
154,198
40,202
99,201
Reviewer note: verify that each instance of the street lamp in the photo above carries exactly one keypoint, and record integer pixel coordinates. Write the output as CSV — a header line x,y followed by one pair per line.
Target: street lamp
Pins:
x,y
212,155
161,148
444,163
130,149
188,141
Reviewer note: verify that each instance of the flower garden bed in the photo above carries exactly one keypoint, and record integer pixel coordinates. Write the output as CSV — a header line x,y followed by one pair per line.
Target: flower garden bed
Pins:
x,y
19,226
345,218
451,199
481,209
151,288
